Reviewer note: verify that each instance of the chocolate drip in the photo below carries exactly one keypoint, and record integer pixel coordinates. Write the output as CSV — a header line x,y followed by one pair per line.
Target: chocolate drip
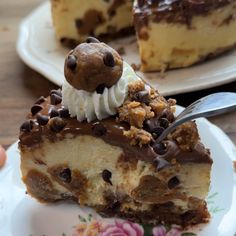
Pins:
x,y
113,135
180,11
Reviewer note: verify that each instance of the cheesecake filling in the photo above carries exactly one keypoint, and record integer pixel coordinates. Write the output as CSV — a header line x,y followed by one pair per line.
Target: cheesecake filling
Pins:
x,y
75,20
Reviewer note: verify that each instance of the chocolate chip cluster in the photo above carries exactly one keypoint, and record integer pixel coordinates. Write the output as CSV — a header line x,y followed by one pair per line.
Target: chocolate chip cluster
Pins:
x,y
147,112
54,118
92,66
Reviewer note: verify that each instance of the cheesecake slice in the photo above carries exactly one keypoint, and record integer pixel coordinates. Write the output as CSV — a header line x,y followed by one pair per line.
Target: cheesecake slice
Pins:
x,y
95,142
75,20
179,33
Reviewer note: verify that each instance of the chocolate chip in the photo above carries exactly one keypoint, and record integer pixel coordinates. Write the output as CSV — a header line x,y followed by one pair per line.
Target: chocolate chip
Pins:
x,y
64,113
55,99
57,92
157,131
53,113
108,59
57,124
78,23
71,62
164,123
112,13
173,182
65,175
106,175
161,163
99,129
41,119
151,124
35,109
115,205
40,100
100,88
159,148
27,126
92,40
142,96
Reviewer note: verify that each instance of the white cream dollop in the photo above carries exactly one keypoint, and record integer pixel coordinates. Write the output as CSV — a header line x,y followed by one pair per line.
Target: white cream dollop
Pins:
x,y
90,106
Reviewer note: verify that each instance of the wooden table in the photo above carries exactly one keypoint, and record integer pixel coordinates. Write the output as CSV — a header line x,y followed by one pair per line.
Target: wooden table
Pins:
x,y
20,86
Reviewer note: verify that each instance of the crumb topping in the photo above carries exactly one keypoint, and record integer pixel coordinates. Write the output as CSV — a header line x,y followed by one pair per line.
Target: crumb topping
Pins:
x,y
142,104
186,135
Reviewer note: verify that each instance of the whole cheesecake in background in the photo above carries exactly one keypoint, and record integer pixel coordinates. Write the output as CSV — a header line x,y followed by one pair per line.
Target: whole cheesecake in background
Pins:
x,y
75,20
179,33
95,142
170,34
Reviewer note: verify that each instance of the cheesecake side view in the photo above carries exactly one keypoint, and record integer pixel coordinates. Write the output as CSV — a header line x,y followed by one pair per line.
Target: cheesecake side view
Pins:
x,y
94,142
170,34
75,20
176,34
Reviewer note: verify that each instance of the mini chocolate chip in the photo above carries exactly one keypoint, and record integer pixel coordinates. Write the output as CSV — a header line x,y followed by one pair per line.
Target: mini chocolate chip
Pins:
x,y
78,23
100,88
64,113
65,175
55,99
41,119
57,124
106,175
108,59
92,40
159,148
53,112
35,109
115,205
142,96
57,92
164,123
27,126
161,163
99,129
71,62
40,100
158,131
151,124
112,13
173,182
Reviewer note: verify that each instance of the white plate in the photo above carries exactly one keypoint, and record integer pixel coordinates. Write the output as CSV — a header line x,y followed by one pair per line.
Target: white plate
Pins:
x,y
20,215
39,49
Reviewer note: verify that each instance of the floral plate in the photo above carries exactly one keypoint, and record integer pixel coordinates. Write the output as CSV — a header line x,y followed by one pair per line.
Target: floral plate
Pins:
x,y
21,215
39,49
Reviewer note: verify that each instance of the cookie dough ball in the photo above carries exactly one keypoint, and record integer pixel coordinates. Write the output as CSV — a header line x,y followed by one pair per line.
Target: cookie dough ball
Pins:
x,y
92,66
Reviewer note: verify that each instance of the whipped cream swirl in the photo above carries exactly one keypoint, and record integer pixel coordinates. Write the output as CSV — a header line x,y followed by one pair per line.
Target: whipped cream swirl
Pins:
x,y
90,106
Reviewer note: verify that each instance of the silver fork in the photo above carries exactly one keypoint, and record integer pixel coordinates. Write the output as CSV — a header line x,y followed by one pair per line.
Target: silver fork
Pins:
x,y
211,105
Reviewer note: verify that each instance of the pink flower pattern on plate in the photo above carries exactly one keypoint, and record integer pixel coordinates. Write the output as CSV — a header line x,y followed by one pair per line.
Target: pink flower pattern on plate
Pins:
x,y
122,228
161,231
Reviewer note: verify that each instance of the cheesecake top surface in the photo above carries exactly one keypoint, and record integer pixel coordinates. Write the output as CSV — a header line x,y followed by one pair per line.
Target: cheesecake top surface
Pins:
x,y
49,120
180,11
